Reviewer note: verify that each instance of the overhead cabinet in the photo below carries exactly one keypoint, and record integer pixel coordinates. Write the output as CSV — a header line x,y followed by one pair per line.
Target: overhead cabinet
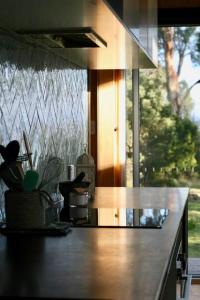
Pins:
x,y
93,34
140,18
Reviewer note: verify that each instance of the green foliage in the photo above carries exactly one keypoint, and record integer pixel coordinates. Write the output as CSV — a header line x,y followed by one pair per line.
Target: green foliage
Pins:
x,y
195,53
168,144
129,119
186,100
192,223
185,38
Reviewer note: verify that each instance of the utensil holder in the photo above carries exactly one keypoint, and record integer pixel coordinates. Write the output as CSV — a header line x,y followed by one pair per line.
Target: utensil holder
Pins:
x,y
25,209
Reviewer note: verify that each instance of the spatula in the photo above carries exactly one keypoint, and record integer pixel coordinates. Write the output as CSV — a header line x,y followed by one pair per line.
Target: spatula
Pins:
x,y
11,151
10,174
30,180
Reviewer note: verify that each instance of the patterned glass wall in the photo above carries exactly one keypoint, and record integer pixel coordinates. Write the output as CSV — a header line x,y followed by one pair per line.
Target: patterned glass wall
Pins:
x,y
45,96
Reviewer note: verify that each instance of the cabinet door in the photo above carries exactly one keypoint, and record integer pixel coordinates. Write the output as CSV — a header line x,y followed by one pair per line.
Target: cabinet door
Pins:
x,y
140,16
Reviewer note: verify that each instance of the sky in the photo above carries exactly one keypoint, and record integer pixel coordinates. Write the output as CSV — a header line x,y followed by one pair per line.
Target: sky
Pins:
x,y
191,74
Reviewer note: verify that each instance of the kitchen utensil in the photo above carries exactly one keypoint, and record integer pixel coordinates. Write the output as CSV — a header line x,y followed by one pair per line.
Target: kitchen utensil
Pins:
x,y
51,172
30,180
79,178
28,152
70,172
10,152
20,169
3,152
11,170
11,175
24,157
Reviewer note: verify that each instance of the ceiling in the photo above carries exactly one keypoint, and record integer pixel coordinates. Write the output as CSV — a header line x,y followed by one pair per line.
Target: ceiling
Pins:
x,y
179,12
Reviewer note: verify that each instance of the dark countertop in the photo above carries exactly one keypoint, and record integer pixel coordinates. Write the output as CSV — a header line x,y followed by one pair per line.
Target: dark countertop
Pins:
x,y
96,263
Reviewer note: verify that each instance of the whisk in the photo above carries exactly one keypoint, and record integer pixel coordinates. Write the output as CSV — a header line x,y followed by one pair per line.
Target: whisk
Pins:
x,y
51,171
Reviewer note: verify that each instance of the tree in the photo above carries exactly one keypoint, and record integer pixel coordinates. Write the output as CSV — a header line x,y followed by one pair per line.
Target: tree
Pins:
x,y
177,42
168,142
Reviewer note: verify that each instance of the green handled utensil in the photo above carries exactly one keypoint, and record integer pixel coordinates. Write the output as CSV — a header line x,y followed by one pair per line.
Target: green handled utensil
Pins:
x,y
30,180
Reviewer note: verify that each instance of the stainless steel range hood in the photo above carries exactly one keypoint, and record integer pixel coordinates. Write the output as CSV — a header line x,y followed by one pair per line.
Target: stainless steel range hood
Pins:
x,y
83,37
50,22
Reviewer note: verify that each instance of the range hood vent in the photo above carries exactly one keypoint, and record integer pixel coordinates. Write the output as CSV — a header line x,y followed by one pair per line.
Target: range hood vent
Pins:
x,y
83,37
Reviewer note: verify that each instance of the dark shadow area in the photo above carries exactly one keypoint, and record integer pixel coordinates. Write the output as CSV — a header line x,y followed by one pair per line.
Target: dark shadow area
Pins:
x,y
22,262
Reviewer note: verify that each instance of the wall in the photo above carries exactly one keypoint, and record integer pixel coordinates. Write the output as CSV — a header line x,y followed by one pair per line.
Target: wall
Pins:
x,y
108,114
45,96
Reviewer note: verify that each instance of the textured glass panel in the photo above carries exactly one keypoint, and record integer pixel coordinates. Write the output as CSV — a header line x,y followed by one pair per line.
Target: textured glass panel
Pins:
x,y
45,96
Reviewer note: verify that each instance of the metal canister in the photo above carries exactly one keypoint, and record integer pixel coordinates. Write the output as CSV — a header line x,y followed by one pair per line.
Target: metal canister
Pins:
x,y
71,172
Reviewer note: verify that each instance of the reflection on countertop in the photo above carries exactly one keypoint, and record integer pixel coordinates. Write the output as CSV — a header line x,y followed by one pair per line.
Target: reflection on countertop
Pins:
x,y
117,217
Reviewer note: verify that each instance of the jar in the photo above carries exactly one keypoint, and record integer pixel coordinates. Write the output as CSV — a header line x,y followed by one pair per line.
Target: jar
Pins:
x,y
85,163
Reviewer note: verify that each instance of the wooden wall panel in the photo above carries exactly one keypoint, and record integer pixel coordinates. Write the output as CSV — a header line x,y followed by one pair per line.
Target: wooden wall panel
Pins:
x,y
107,128
107,143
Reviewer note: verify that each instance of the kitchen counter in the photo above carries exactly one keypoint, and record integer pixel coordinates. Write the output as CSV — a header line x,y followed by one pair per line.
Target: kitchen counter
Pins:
x,y
97,263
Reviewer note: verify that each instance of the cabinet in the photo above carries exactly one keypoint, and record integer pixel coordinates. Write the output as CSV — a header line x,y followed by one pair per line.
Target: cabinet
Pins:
x,y
177,282
140,16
